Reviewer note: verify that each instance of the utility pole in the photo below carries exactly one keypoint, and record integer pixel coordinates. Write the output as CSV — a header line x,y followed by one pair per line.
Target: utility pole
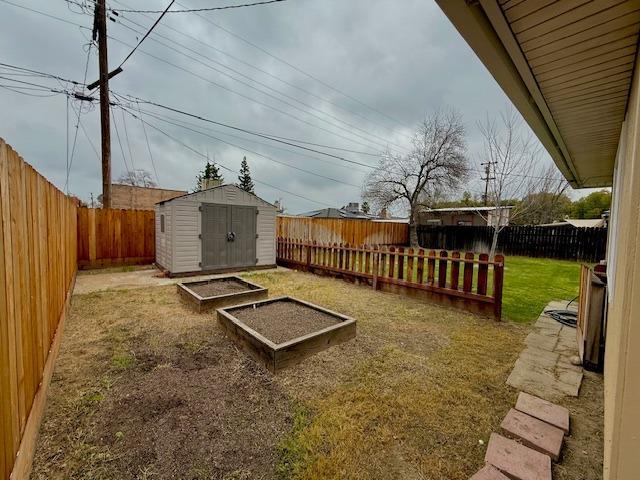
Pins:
x,y
103,63
486,178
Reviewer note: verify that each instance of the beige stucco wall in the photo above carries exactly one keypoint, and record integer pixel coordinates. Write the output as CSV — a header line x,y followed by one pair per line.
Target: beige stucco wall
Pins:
x,y
622,357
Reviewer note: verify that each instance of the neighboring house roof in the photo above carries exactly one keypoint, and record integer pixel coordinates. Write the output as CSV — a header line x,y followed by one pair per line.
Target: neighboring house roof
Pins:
x,y
336,213
466,209
225,185
543,55
578,222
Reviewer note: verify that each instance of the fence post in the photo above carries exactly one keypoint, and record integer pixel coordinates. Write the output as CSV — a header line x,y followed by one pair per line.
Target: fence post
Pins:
x,y
308,259
498,278
376,266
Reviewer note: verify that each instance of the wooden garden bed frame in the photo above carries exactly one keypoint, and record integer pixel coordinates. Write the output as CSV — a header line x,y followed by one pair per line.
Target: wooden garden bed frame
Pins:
x,y
203,304
276,357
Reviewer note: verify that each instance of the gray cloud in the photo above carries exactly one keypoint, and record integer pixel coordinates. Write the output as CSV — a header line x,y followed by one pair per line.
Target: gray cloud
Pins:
x,y
401,58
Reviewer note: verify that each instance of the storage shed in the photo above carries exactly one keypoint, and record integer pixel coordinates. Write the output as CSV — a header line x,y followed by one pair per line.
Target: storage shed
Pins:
x,y
218,229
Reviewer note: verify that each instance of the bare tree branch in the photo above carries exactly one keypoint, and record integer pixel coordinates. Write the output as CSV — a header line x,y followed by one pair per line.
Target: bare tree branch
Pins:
x,y
437,161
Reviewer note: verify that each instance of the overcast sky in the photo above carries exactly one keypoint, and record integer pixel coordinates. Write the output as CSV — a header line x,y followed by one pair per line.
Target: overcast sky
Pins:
x,y
395,61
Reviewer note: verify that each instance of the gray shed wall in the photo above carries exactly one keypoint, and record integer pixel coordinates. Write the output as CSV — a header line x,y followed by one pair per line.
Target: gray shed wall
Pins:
x,y
183,248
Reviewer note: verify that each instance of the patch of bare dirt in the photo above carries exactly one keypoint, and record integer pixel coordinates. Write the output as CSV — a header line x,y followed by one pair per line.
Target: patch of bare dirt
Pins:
x,y
583,448
193,414
283,320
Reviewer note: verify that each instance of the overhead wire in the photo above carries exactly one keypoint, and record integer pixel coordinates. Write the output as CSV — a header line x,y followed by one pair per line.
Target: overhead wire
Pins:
x,y
210,9
203,155
146,34
264,85
250,132
146,137
220,132
256,153
115,127
259,102
75,136
294,67
254,67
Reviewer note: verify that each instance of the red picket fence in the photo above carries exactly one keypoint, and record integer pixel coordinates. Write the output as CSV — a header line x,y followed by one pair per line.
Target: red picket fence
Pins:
x,y
463,281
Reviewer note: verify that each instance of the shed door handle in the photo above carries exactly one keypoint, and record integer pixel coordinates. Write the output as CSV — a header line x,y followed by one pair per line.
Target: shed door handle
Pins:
x,y
231,236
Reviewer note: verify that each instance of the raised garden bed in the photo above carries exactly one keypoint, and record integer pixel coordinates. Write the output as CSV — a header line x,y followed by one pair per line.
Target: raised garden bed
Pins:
x,y
220,292
281,332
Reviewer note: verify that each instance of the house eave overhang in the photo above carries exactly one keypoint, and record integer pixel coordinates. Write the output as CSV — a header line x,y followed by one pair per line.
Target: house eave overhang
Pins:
x,y
483,26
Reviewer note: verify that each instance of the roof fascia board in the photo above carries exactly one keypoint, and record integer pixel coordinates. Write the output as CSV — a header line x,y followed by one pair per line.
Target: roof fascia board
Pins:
x,y
483,26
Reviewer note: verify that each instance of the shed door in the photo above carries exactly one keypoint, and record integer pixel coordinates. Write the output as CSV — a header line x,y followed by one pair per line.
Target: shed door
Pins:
x,y
242,249
215,223
228,236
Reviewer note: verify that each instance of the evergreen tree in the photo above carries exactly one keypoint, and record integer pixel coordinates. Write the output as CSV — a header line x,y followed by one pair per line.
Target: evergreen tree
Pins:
x,y
244,179
211,172
365,207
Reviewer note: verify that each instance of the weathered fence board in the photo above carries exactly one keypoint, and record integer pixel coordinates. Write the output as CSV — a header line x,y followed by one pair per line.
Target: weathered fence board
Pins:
x,y
37,270
562,242
338,230
394,269
112,237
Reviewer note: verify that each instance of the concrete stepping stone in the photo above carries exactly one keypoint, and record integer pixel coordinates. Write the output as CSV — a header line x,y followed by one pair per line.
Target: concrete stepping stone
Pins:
x,y
534,433
517,461
489,472
542,410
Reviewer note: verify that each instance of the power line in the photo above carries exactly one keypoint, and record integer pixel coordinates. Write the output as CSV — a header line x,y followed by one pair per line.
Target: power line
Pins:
x,y
232,170
144,129
206,9
262,135
165,117
255,153
115,126
146,34
254,67
259,102
262,84
297,69
126,136
175,110
75,136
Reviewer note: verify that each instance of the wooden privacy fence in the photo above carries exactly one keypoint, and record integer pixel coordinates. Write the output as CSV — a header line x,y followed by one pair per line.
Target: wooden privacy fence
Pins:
x,y
110,237
339,230
562,242
37,272
464,281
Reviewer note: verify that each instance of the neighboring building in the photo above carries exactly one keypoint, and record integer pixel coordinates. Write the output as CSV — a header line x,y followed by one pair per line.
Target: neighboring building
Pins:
x,y
572,70
142,198
578,222
352,210
464,216
221,228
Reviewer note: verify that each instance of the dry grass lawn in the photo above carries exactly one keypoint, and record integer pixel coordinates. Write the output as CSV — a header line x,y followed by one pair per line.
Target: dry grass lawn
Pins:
x,y
146,388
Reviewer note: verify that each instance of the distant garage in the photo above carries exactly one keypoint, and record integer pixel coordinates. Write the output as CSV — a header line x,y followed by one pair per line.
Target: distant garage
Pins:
x,y
218,229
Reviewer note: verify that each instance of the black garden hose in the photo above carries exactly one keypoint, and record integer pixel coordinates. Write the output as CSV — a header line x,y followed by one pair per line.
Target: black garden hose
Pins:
x,y
565,317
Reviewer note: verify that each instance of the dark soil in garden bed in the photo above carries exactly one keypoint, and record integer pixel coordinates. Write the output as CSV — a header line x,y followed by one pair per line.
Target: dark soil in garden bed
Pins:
x,y
283,321
218,287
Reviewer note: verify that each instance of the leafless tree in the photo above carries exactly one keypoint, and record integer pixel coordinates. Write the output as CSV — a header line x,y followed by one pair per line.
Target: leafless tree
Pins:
x,y
435,162
516,172
137,178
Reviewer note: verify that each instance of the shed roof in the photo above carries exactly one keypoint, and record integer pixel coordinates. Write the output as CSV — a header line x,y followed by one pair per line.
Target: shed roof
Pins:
x,y
226,185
